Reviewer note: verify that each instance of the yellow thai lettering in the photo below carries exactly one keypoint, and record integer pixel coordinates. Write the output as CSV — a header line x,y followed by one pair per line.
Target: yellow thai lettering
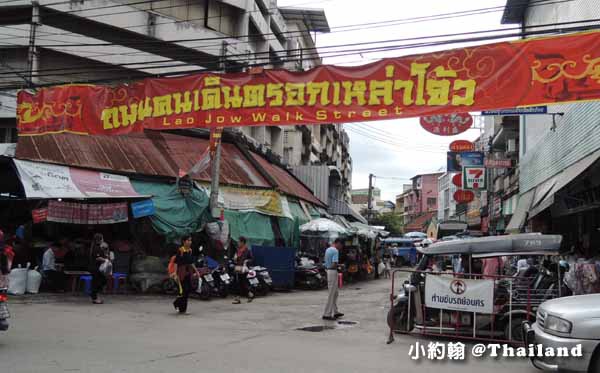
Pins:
x,y
468,98
162,106
128,114
407,87
294,93
317,90
438,90
254,95
144,109
275,93
182,106
419,70
211,94
110,118
355,90
231,97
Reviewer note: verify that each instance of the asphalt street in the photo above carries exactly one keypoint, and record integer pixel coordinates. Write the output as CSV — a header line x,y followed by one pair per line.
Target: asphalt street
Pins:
x,y
131,333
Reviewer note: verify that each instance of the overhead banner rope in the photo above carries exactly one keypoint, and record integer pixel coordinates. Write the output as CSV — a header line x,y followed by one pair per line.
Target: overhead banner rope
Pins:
x,y
493,76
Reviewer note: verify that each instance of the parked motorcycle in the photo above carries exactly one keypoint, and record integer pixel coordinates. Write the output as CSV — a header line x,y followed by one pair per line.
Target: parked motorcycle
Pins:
x,y
250,280
4,314
308,275
222,281
265,282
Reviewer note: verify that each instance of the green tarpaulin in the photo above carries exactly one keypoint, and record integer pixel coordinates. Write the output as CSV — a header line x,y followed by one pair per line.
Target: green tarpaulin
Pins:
x,y
252,225
175,214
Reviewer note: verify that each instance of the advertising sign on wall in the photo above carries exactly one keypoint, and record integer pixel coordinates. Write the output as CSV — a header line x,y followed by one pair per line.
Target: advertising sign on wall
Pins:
x,y
461,146
456,161
447,124
473,178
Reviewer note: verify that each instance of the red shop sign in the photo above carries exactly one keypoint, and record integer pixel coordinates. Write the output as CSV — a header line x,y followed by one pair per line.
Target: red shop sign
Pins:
x,y
447,124
461,146
464,196
457,180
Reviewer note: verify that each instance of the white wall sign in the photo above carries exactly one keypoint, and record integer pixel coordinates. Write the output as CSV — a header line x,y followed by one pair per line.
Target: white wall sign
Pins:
x,y
459,294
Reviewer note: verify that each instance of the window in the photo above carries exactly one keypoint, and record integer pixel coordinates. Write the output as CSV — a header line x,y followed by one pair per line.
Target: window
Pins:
x,y
431,202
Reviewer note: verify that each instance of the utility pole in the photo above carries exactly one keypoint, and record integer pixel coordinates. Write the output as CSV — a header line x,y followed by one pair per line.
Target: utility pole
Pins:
x,y
32,55
215,154
370,198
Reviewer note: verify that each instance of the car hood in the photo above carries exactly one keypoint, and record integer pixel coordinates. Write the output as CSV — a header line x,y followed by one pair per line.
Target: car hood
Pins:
x,y
581,310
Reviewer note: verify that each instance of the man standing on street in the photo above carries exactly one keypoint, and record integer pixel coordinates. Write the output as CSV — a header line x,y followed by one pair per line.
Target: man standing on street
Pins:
x,y
332,255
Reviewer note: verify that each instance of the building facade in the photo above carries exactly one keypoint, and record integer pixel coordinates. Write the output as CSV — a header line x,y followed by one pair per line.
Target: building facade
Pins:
x,y
423,197
558,171
98,41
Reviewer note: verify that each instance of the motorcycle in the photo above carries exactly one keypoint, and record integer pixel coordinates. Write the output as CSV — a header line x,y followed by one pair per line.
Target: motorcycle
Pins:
x,y
250,280
4,314
308,275
265,282
222,281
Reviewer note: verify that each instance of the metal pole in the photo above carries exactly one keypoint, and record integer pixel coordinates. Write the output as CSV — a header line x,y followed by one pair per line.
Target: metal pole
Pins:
x,y
32,57
214,182
370,197
510,311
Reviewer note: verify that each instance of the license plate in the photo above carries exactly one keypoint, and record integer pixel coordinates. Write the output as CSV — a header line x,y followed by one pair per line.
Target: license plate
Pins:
x,y
254,281
225,277
4,314
209,277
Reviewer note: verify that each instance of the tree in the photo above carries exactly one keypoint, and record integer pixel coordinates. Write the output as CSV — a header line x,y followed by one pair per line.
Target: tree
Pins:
x,y
392,222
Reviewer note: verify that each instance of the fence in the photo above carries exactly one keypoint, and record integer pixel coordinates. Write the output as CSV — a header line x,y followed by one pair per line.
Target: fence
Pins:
x,y
475,307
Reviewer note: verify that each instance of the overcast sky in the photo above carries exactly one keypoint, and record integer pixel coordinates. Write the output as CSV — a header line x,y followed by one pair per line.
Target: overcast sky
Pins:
x,y
409,149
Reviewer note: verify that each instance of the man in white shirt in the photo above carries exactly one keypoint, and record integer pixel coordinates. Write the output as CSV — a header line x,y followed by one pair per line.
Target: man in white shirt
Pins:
x,y
55,280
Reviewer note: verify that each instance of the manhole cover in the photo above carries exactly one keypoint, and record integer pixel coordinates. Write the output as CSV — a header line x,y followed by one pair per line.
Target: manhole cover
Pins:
x,y
315,328
347,322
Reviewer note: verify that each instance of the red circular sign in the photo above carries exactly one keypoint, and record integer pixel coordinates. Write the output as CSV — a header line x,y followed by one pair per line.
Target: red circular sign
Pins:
x,y
464,196
461,146
457,180
447,124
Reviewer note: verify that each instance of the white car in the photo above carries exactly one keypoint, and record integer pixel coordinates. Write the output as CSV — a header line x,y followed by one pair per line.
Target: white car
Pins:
x,y
567,322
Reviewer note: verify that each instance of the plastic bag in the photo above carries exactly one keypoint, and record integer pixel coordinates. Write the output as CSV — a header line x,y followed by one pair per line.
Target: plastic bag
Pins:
x,y
106,268
17,279
380,268
34,280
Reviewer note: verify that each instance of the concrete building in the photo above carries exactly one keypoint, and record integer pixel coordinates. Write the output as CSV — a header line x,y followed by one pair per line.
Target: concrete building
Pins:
x,y
112,41
423,197
559,168
446,202
360,198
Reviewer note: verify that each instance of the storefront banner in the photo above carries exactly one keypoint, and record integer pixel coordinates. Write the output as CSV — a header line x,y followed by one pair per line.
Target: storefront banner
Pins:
x,y
518,111
44,180
80,213
143,208
500,75
458,294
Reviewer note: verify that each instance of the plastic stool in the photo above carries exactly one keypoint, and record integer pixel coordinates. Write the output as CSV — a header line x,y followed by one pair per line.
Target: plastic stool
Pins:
x,y
117,278
87,282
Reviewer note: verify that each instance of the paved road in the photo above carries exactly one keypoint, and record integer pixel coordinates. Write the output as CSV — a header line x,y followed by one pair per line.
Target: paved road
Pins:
x,y
143,334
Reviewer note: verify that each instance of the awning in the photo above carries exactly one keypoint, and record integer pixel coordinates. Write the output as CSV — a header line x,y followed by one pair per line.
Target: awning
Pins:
x,y
545,192
44,180
520,214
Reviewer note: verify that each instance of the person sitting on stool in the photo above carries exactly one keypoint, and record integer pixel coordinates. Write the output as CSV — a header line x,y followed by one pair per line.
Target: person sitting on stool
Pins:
x,y
55,280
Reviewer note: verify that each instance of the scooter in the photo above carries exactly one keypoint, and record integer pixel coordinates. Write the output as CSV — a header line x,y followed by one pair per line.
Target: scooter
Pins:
x,y
222,281
308,275
250,280
265,282
4,314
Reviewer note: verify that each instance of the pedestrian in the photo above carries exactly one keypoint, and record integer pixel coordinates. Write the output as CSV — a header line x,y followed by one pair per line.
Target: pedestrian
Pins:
x,y
332,255
55,280
183,271
242,258
98,257
6,257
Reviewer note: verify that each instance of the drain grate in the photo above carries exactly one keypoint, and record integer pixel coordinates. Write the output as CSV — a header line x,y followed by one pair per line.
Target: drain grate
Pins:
x,y
315,328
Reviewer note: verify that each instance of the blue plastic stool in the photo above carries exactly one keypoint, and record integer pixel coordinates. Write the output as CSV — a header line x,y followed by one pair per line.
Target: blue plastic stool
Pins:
x,y
87,282
116,278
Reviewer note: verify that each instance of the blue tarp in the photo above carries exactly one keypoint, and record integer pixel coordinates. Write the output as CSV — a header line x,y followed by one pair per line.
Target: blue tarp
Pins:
x,y
280,261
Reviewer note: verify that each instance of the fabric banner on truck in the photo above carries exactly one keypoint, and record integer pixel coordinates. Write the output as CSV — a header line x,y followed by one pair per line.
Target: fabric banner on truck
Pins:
x,y
44,180
500,75
458,294
80,213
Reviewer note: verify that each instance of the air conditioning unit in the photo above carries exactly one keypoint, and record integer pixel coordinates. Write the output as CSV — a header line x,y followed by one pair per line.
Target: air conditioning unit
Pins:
x,y
511,146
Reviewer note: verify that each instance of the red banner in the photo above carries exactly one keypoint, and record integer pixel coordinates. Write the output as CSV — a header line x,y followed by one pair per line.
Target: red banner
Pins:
x,y
79,213
501,75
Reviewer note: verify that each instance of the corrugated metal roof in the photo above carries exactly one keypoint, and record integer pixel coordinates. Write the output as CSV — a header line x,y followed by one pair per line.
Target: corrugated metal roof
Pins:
x,y
420,223
154,153
286,182
150,153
